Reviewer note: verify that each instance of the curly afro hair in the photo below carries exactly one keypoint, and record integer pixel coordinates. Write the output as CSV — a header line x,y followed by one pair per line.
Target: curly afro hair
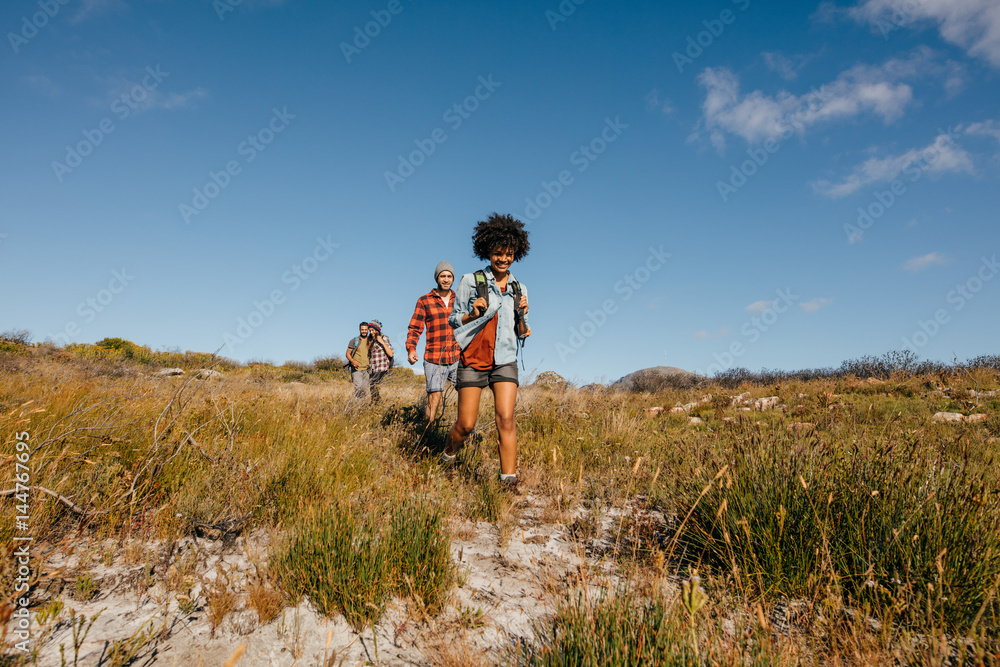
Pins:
x,y
500,231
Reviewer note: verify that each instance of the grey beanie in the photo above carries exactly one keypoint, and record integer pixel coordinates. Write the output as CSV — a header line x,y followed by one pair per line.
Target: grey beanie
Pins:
x,y
443,266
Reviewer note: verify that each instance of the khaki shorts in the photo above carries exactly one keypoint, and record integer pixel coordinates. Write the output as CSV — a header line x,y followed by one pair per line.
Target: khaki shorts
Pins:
x,y
470,377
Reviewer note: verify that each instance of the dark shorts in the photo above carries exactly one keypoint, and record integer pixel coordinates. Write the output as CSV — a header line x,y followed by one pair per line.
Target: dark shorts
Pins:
x,y
470,377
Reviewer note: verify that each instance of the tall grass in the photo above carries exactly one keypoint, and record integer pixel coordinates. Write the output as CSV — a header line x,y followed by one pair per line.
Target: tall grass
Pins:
x,y
881,522
347,558
873,509
625,628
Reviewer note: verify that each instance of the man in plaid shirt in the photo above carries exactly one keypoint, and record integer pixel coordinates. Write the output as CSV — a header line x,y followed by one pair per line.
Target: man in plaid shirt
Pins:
x,y
441,351
379,356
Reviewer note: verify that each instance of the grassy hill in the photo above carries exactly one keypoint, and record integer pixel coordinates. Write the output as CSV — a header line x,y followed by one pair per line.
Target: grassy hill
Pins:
x,y
821,520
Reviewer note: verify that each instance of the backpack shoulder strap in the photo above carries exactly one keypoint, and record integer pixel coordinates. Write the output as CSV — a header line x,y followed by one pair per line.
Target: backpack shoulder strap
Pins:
x,y
482,288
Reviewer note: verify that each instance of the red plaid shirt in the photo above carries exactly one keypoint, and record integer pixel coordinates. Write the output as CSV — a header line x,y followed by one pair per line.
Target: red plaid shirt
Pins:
x,y
441,347
378,360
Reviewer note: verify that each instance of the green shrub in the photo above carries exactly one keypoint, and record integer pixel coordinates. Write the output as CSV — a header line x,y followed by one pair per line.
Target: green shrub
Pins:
x,y
625,629
345,559
340,559
878,522
328,363
421,549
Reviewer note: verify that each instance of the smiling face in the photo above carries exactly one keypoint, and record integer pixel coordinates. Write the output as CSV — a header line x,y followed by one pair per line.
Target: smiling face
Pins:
x,y
363,330
445,280
500,260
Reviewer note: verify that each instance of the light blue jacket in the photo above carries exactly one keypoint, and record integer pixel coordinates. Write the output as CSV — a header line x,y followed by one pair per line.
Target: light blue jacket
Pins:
x,y
505,351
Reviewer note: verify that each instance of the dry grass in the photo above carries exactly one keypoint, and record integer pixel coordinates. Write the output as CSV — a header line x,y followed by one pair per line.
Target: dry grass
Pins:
x,y
220,597
785,561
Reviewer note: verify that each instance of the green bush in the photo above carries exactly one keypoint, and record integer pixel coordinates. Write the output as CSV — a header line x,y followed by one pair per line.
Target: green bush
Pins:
x,y
340,559
345,559
421,553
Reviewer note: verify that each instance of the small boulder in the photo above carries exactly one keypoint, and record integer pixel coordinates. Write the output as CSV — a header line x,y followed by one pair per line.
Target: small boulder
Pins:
x,y
241,622
947,417
208,374
695,420
168,372
768,403
654,412
978,417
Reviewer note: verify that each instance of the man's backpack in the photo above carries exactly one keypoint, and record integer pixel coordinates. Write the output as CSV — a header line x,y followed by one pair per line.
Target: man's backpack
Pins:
x,y
353,347
482,291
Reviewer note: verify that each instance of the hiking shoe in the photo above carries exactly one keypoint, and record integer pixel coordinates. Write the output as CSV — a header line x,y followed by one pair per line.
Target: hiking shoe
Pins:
x,y
448,461
511,486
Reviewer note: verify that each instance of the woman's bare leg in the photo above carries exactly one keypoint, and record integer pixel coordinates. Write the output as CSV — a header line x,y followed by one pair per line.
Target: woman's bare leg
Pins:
x,y
468,411
504,398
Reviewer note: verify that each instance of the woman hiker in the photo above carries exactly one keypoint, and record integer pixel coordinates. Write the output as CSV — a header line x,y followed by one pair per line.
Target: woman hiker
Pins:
x,y
489,318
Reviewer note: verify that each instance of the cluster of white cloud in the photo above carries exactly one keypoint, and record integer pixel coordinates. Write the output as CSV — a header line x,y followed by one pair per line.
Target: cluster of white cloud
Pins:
x,y
706,335
757,117
810,306
941,156
654,103
984,129
815,304
787,67
974,25
925,262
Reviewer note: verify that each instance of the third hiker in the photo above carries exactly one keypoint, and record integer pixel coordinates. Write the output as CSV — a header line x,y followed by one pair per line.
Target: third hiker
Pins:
x,y
440,349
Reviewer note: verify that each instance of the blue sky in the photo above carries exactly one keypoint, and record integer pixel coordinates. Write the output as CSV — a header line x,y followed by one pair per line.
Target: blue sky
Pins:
x,y
707,185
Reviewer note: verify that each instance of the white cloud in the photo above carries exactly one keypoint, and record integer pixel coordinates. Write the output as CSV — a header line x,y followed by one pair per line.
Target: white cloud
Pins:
x,y
706,335
941,156
176,100
654,103
41,83
757,117
761,306
985,129
787,67
88,8
925,262
973,25
815,304
138,97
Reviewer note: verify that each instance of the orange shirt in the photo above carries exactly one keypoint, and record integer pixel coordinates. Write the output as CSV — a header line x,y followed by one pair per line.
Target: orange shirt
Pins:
x,y
479,353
